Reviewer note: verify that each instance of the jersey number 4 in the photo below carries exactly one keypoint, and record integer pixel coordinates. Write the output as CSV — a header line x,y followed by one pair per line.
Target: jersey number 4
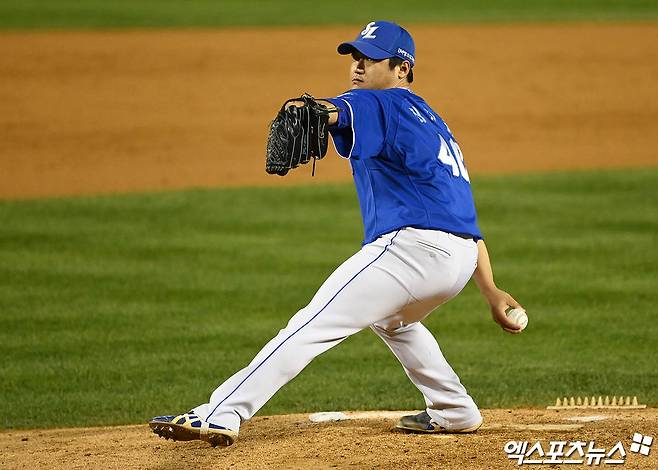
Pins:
x,y
450,154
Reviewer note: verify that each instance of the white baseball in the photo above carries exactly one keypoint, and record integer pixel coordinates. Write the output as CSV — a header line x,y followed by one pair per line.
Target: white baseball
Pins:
x,y
518,316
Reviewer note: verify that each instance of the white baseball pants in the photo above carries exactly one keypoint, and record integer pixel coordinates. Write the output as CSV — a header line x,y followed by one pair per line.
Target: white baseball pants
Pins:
x,y
389,285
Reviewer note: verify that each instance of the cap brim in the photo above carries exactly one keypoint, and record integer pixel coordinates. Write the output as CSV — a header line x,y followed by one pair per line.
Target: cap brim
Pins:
x,y
367,49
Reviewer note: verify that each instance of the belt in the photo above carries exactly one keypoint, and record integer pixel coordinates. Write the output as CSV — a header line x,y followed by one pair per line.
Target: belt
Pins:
x,y
465,236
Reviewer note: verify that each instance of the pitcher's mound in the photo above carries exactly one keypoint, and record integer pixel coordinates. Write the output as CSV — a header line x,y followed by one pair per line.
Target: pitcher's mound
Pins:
x,y
365,440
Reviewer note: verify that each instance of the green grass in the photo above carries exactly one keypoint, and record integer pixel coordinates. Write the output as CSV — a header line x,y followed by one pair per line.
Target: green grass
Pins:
x,y
211,13
117,308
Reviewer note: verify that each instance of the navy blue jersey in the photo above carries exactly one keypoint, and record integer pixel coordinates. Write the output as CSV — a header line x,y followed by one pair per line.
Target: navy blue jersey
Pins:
x,y
407,166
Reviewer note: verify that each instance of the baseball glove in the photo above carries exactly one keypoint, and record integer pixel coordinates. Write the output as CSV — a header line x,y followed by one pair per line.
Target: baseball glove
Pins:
x,y
297,134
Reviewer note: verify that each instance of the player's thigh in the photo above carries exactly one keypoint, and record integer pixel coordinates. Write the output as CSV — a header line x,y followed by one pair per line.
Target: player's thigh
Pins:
x,y
358,293
411,313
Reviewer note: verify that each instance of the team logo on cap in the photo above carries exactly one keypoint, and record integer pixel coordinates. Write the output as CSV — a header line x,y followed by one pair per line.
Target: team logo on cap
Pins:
x,y
370,28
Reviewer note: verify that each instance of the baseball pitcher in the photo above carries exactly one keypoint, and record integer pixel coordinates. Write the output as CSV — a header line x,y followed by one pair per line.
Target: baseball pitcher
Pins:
x,y
422,244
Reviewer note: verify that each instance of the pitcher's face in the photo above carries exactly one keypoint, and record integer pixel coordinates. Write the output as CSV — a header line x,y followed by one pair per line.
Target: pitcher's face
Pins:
x,y
372,74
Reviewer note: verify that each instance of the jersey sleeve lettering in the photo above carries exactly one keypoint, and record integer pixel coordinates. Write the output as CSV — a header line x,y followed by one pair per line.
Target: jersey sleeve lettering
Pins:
x,y
361,128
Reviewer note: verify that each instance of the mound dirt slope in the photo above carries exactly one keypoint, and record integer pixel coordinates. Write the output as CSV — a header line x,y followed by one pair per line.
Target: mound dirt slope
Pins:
x,y
293,442
90,112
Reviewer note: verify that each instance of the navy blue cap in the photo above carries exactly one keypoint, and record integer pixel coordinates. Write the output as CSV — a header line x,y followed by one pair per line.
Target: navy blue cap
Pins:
x,y
382,40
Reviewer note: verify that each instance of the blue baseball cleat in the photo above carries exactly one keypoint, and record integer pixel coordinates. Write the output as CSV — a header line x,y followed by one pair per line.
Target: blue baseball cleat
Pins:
x,y
190,427
422,423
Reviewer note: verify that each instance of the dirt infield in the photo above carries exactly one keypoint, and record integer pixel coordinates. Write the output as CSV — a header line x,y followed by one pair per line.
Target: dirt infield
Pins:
x,y
293,442
89,112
